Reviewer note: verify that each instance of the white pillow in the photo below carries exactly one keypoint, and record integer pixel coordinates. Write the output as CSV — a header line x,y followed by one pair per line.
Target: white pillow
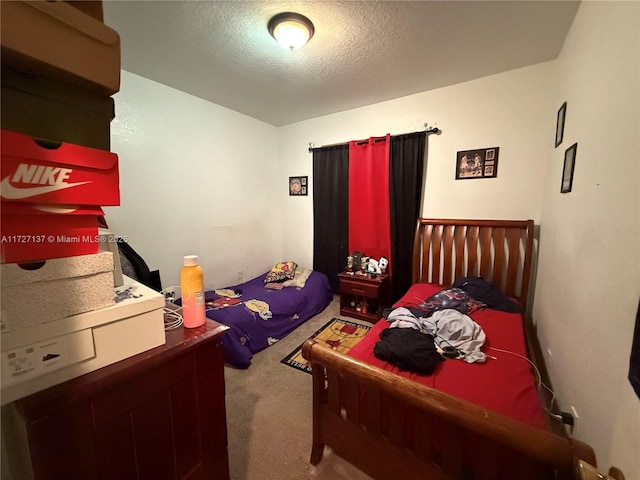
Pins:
x,y
299,279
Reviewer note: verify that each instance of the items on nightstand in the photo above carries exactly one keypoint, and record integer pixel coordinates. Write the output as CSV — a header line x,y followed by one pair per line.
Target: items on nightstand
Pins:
x,y
363,263
349,268
360,264
362,305
354,262
376,267
383,263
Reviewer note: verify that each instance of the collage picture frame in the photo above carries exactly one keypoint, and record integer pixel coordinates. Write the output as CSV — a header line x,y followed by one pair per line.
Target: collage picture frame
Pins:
x,y
298,186
481,163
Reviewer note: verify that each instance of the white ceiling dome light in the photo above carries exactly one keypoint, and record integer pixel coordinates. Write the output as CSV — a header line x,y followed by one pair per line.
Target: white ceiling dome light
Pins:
x,y
291,30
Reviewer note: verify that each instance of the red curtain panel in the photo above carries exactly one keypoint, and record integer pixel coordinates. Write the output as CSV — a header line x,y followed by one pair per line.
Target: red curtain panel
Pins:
x,y
369,219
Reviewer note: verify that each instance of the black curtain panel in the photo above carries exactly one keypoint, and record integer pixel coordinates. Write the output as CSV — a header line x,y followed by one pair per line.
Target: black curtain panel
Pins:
x,y
406,167
331,211
634,362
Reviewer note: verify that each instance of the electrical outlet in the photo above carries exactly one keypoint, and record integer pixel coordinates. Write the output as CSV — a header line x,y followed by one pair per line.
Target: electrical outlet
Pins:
x,y
171,294
240,274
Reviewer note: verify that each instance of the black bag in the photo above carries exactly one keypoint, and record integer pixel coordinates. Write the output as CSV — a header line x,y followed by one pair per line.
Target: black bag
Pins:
x,y
134,266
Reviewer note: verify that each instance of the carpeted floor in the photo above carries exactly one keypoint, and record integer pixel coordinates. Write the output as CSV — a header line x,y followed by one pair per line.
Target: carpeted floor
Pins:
x,y
269,415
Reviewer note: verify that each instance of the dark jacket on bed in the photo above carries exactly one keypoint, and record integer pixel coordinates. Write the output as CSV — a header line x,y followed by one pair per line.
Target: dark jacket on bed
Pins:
x,y
487,292
408,349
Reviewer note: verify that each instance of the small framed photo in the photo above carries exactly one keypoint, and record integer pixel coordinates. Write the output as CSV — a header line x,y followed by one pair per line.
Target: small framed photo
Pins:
x,y
298,185
481,163
562,113
569,166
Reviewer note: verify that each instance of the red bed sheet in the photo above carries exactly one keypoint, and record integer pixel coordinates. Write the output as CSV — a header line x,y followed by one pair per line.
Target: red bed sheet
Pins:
x,y
504,384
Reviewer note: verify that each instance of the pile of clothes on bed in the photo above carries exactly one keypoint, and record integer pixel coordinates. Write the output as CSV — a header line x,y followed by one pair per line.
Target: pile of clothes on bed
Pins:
x,y
440,327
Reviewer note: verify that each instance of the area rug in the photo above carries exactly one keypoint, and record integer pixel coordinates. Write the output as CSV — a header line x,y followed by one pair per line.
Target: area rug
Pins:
x,y
338,334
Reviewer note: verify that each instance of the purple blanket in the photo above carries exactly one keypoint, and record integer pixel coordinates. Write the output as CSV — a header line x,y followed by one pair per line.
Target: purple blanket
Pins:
x,y
259,317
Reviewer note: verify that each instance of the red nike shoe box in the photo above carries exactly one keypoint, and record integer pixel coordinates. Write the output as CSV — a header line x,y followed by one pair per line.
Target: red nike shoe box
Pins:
x,y
40,232
45,172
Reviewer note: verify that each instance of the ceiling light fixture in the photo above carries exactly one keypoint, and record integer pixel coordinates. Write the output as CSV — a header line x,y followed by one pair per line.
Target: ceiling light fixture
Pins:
x,y
291,30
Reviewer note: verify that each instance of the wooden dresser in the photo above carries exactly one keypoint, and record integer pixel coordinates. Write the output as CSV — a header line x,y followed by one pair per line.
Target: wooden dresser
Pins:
x,y
158,415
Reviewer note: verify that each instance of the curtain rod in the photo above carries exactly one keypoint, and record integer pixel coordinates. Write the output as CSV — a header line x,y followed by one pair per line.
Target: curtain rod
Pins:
x,y
427,129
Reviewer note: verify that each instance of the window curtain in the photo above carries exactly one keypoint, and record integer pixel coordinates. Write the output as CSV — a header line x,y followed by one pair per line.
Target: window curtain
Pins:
x,y
367,197
406,171
369,230
330,211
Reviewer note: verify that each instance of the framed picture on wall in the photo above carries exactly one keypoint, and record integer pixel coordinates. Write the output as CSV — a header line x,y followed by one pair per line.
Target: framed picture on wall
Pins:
x,y
562,113
298,186
482,163
569,166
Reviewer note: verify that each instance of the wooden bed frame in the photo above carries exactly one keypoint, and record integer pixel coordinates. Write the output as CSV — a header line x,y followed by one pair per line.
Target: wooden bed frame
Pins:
x,y
349,395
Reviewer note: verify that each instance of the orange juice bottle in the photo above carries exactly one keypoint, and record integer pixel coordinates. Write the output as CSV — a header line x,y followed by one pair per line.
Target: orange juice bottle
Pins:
x,y
192,291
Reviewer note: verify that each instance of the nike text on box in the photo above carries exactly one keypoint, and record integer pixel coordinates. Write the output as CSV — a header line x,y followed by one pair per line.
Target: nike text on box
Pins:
x,y
37,232
38,171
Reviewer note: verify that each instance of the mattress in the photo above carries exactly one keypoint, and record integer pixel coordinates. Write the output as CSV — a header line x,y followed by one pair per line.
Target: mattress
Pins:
x,y
258,317
504,383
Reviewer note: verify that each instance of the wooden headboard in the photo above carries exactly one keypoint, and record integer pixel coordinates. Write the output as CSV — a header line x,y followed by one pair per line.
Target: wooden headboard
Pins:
x,y
497,250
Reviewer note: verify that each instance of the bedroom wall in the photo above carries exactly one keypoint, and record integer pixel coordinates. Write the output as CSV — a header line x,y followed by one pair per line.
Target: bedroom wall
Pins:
x,y
589,265
195,178
511,110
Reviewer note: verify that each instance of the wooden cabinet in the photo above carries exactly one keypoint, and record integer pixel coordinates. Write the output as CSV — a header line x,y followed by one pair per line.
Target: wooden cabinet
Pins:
x,y
158,415
363,296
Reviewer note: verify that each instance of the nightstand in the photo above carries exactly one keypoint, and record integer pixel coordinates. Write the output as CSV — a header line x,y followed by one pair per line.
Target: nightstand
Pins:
x,y
363,296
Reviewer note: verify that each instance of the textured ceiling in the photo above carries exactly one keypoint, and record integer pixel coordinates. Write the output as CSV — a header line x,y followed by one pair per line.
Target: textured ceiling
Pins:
x,y
363,52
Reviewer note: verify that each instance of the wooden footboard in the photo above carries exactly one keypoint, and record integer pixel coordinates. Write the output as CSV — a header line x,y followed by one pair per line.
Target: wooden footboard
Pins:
x,y
391,427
